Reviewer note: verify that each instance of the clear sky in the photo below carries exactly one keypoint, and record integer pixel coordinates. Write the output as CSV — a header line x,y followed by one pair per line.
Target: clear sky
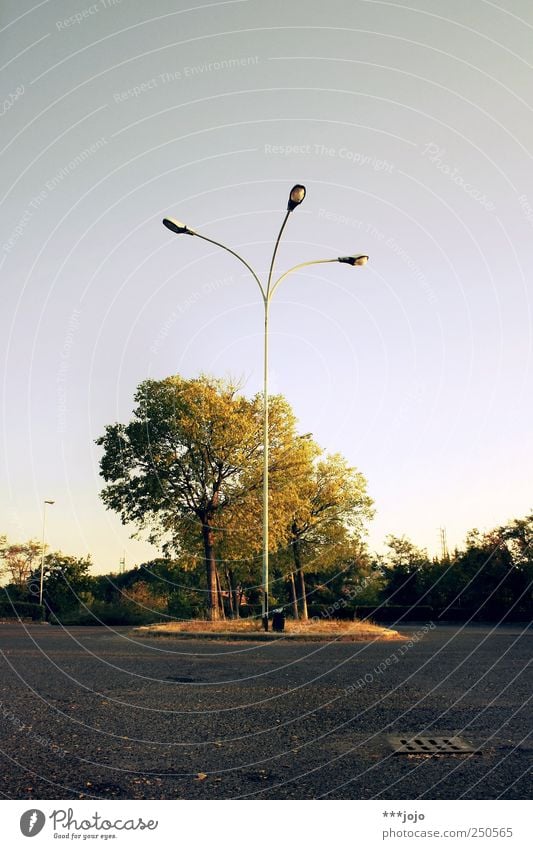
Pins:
x,y
410,125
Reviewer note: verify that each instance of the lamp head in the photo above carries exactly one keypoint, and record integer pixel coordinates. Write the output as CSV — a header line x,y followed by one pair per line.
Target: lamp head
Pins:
x,y
47,501
296,196
356,259
177,226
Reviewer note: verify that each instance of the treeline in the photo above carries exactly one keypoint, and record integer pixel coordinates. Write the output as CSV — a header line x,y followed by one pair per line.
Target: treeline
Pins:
x,y
490,578
187,473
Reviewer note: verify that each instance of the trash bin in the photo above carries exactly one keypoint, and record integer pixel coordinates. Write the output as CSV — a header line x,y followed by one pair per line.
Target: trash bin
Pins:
x,y
278,620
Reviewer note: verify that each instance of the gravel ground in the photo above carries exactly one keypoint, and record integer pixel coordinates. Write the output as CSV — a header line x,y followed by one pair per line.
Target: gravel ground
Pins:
x,y
92,712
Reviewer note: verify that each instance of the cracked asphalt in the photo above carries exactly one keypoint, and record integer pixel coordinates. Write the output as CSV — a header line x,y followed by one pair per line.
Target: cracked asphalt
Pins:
x,y
108,714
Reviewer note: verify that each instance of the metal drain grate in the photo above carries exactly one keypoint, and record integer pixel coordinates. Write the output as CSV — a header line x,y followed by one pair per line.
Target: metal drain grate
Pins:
x,y
404,745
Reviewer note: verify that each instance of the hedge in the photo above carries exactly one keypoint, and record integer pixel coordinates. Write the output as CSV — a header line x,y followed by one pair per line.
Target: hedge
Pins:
x,y
396,613
101,613
21,610
335,610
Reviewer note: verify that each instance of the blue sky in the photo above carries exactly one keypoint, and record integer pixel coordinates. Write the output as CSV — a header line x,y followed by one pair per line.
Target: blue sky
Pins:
x,y
410,127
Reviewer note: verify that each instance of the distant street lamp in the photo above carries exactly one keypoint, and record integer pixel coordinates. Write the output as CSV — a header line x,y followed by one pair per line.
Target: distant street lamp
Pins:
x,y
296,196
47,501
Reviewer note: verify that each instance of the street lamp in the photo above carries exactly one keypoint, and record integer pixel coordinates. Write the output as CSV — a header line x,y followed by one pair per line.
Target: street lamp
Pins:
x,y
296,196
46,501
358,259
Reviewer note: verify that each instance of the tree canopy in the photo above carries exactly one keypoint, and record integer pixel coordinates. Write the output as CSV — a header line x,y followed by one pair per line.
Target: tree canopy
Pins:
x,y
18,560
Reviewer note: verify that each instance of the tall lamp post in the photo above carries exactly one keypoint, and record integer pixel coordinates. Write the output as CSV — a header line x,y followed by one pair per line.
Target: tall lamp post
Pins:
x,y
296,196
46,501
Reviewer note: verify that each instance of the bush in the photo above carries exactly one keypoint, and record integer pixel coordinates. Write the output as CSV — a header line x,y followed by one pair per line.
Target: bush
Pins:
x,y
331,611
180,606
484,613
247,611
101,613
21,610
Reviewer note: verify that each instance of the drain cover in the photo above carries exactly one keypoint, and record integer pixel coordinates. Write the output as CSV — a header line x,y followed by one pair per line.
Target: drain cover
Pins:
x,y
405,745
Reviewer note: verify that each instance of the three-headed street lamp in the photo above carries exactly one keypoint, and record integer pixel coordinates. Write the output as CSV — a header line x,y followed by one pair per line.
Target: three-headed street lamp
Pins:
x,y
296,196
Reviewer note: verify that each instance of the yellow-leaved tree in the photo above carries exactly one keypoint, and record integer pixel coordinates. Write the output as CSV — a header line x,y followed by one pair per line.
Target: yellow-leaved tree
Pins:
x,y
190,462
329,520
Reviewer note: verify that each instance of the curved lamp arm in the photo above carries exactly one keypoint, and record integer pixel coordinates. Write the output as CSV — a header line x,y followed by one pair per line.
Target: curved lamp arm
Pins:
x,y
296,196
297,268
273,260
238,256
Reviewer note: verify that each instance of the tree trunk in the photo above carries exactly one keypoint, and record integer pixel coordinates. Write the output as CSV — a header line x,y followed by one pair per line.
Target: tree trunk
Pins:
x,y
210,568
303,597
300,575
291,587
220,597
227,572
233,594
237,596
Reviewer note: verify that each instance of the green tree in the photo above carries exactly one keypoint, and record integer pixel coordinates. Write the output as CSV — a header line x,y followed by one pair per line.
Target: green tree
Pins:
x,y
496,574
66,580
240,535
18,561
405,568
332,510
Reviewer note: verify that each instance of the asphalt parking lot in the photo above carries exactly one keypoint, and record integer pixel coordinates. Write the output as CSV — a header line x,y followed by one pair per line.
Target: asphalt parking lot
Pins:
x,y
93,712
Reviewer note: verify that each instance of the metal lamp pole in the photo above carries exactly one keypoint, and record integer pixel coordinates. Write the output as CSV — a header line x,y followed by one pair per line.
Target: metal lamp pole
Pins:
x,y
47,501
296,196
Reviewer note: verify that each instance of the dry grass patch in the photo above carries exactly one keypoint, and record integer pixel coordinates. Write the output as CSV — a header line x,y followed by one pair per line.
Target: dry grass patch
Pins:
x,y
334,629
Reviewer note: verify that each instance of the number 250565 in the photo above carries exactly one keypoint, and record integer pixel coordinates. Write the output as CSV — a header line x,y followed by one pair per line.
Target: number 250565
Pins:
x,y
491,832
